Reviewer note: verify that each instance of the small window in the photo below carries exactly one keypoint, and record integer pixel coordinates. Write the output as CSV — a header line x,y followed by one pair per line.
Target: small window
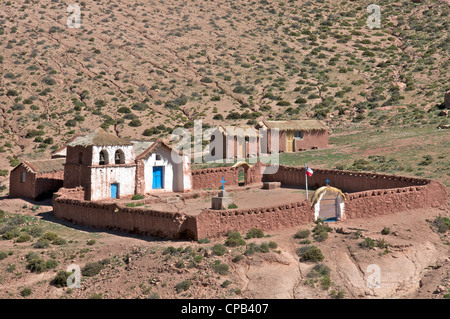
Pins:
x,y
157,157
23,177
298,134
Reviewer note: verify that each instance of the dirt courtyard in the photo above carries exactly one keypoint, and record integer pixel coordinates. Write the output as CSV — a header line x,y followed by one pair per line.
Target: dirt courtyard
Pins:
x,y
243,197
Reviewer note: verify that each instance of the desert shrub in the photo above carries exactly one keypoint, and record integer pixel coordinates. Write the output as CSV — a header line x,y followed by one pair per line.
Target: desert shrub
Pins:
x,y
381,243
303,233
220,268
3,255
234,239
135,123
36,231
48,80
37,265
219,249
60,279
385,231
13,232
169,251
91,242
23,238
319,270
59,241
255,233
237,258
254,248
232,206
203,241
325,282
183,286
310,253
50,236
51,264
92,269
337,294
272,245
368,243
25,292
441,224
225,284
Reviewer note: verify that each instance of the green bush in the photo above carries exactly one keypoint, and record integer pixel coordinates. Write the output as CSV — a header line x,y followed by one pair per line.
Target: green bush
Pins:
x,y
59,241
183,286
237,258
61,279
441,224
23,238
368,243
3,255
203,241
232,206
92,269
137,197
25,292
219,249
50,236
385,231
319,270
36,231
310,253
234,239
41,243
37,265
220,268
255,233
91,242
51,264
303,233
273,245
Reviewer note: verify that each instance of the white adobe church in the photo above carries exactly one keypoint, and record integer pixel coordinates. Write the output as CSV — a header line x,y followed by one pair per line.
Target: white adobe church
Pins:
x,y
107,166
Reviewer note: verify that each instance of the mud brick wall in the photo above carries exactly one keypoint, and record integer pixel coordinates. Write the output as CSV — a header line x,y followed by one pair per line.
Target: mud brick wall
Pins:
x,y
347,181
388,201
211,177
213,223
117,217
36,185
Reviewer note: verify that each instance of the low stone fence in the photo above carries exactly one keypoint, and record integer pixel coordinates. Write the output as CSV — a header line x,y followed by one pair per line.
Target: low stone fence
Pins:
x,y
404,194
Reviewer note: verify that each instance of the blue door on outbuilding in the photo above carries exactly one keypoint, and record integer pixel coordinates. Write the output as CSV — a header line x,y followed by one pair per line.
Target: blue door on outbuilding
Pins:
x,y
157,177
114,190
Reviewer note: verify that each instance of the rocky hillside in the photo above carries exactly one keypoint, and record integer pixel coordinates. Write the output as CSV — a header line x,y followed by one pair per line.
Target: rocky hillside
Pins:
x,y
142,68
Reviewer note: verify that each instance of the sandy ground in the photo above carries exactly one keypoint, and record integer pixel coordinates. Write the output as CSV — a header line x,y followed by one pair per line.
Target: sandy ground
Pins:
x,y
416,266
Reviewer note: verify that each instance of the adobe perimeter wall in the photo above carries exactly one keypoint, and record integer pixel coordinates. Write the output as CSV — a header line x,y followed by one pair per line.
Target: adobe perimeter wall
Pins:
x,y
69,205
347,181
392,194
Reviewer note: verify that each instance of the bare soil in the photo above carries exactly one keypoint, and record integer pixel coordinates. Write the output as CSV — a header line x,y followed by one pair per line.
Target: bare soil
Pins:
x,y
416,264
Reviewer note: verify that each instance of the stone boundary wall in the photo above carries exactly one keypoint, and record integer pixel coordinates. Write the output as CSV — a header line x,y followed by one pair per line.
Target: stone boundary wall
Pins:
x,y
139,220
210,177
213,223
418,193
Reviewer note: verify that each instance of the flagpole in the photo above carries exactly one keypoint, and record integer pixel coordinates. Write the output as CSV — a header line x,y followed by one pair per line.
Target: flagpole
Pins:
x,y
306,177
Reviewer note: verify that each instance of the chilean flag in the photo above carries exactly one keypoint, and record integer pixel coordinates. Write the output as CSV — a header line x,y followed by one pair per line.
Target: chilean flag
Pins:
x,y
309,171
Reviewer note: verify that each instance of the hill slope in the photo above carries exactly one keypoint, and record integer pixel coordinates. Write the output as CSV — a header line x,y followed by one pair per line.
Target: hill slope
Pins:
x,y
140,65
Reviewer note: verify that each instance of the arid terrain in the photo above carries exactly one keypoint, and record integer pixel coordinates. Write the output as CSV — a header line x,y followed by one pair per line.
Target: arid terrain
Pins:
x,y
140,69
413,261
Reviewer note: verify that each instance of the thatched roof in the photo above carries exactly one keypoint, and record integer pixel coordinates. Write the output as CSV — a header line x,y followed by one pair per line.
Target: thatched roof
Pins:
x,y
153,147
45,166
297,125
99,137
239,131
141,146
324,189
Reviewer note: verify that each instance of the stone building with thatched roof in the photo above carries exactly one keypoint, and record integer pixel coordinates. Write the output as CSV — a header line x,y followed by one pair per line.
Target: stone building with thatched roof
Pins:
x,y
105,166
36,179
296,135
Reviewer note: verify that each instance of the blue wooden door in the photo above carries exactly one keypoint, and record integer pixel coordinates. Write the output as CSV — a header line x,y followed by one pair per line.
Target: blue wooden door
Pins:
x,y
157,177
114,189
